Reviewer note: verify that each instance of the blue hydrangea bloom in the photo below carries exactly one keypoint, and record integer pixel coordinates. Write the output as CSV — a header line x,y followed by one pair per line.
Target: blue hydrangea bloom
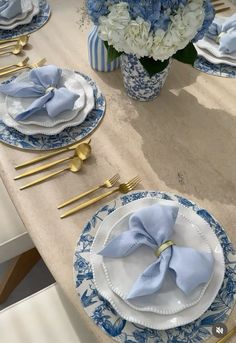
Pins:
x,y
209,17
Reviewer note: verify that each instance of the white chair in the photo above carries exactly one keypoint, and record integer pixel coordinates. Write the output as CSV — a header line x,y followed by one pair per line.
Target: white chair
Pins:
x,y
45,317
15,245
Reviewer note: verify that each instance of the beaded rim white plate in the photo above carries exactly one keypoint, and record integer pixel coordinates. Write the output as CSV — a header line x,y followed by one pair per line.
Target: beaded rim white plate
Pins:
x,y
169,299
153,320
69,80
27,7
26,20
34,129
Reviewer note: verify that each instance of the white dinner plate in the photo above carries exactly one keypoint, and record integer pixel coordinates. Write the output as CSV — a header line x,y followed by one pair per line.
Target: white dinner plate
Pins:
x,y
35,129
41,118
26,6
150,319
26,20
215,60
121,273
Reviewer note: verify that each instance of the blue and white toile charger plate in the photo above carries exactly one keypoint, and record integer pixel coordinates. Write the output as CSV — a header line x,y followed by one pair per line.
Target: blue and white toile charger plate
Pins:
x,y
67,137
223,70
38,21
105,317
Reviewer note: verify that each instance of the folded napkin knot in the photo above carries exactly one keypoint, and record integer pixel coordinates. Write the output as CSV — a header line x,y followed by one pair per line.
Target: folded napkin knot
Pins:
x,y
44,84
153,226
163,247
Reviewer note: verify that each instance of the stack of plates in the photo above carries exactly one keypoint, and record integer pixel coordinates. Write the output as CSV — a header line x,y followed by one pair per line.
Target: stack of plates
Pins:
x,y
103,283
40,122
209,49
30,8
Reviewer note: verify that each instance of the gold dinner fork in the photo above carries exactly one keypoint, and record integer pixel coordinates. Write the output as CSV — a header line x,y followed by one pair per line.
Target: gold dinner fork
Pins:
x,y
19,64
106,184
30,66
123,188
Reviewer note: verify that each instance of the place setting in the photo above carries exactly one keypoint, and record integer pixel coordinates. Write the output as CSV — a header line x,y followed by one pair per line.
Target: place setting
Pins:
x,y
48,107
154,265
20,17
217,49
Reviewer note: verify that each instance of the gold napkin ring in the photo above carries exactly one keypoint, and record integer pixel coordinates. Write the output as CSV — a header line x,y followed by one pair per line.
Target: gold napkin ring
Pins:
x,y
49,89
163,247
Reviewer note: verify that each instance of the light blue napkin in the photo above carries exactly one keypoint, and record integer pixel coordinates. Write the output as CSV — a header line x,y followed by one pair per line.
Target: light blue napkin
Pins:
x,y
42,85
152,226
224,33
10,8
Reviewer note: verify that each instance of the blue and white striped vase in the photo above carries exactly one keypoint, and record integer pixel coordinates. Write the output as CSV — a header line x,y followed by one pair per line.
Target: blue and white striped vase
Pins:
x,y
97,52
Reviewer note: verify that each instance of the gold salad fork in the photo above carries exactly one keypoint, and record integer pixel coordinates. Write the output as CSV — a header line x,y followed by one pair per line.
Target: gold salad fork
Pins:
x,y
30,66
123,188
106,184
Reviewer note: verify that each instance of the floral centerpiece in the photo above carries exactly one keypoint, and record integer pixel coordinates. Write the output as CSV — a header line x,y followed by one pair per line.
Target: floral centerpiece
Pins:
x,y
154,31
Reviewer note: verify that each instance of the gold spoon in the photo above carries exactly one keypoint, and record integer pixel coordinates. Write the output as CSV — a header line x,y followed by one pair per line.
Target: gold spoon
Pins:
x,y
22,41
83,151
20,64
16,49
23,38
74,166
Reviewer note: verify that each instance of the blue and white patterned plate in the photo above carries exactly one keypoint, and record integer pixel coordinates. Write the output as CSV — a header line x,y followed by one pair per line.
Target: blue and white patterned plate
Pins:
x,y
66,137
223,70
105,317
38,21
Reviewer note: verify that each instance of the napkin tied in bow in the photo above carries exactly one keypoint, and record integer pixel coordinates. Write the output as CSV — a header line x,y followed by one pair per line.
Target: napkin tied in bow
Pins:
x,y
42,85
10,8
152,226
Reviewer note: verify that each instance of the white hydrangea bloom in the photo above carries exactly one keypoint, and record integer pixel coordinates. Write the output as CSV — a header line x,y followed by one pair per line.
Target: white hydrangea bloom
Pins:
x,y
138,38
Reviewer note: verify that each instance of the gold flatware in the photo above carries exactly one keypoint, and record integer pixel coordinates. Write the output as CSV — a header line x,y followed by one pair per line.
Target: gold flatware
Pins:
x,y
123,188
20,64
51,154
16,49
22,38
222,9
30,66
83,151
106,184
22,41
74,166
226,337
217,4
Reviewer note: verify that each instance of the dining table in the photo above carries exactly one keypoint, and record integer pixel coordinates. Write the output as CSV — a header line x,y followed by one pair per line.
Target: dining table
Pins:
x,y
183,142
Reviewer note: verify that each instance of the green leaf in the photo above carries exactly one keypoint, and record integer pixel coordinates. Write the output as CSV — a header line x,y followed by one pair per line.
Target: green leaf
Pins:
x,y
152,66
112,52
187,55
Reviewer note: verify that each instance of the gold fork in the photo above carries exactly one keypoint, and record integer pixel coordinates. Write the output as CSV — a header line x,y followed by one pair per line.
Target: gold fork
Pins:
x,y
123,188
30,66
19,64
106,184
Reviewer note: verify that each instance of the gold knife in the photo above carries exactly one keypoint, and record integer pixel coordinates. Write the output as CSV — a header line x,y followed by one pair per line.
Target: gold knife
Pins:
x,y
51,154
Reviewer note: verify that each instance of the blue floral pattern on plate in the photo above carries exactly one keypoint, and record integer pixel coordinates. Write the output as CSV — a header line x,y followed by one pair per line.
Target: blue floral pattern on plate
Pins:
x,y
38,21
223,70
66,137
105,317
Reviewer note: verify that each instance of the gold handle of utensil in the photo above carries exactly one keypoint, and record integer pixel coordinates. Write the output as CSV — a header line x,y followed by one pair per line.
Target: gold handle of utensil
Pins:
x,y
226,337
46,177
7,72
11,39
88,203
41,168
80,196
222,9
6,46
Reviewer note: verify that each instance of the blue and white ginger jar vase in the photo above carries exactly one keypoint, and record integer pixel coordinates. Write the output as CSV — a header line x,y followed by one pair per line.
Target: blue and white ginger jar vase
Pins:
x,y
138,84
98,58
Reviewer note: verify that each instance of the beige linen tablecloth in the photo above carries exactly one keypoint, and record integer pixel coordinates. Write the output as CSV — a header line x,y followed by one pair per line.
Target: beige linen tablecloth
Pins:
x,y
184,142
